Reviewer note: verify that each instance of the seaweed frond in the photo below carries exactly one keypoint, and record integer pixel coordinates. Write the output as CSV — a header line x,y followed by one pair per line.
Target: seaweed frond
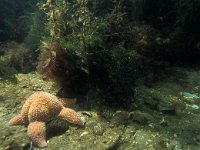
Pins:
x,y
51,64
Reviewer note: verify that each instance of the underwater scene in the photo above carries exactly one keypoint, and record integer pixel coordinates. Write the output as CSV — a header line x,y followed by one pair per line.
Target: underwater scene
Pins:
x,y
99,75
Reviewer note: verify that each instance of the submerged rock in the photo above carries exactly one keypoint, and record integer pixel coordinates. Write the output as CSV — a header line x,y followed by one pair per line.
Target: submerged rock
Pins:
x,y
166,108
84,139
107,129
190,98
99,128
141,139
12,137
159,100
120,118
140,117
189,95
56,127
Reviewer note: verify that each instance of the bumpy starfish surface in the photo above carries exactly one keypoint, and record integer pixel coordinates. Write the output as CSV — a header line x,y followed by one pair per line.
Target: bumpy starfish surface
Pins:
x,y
39,108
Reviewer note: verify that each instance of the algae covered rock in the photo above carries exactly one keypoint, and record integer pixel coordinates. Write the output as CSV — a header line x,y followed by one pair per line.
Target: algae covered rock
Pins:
x,y
12,137
120,117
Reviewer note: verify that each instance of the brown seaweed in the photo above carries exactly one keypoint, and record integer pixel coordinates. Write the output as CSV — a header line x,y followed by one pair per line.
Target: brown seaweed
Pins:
x,y
51,64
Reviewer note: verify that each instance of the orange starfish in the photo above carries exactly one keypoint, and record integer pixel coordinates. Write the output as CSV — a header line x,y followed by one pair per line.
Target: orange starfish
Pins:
x,y
39,108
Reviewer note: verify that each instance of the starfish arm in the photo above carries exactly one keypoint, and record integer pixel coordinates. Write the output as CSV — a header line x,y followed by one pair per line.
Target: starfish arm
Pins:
x,y
71,116
38,112
17,120
25,109
37,133
67,102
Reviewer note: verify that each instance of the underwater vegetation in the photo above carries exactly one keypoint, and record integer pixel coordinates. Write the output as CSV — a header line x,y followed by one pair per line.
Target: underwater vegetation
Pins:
x,y
16,56
15,19
36,31
61,67
16,52
93,54
51,63
13,59
6,72
106,45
